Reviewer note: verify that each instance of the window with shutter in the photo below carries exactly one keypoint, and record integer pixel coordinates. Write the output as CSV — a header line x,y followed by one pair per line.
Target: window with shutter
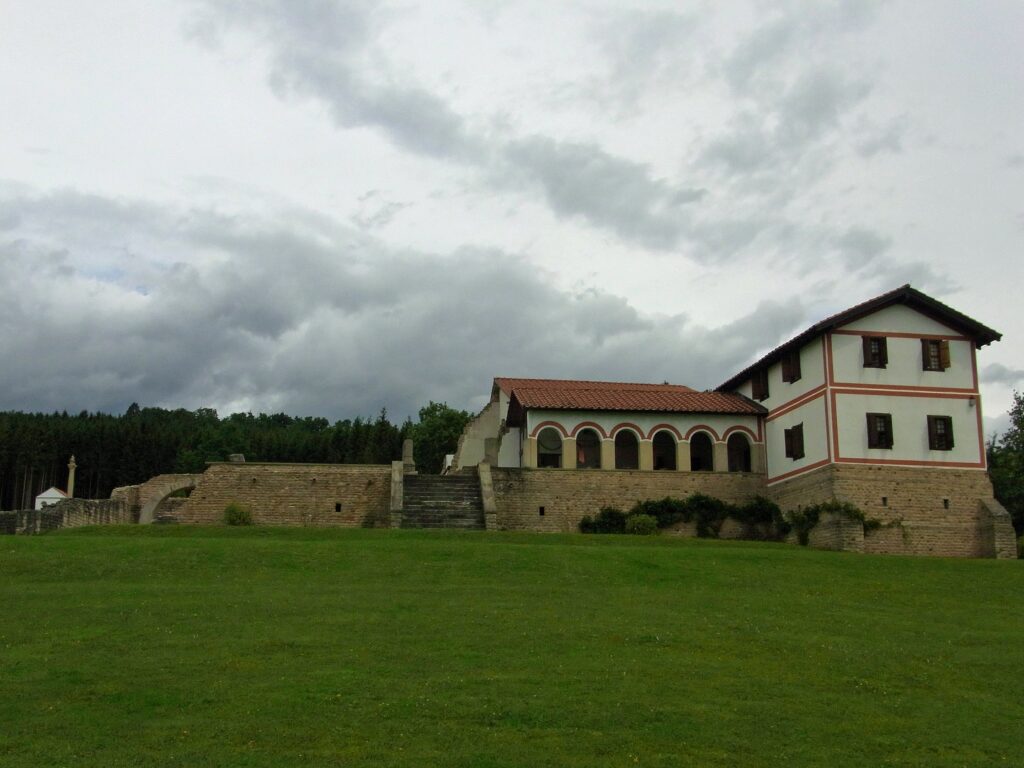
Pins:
x,y
879,430
759,384
940,433
875,353
791,366
934,354
794,437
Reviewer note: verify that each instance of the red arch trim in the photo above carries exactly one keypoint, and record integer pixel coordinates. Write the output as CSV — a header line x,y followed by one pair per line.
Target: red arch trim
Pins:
x,y
703,428
628,425
545,424
733,430
667,428
593,425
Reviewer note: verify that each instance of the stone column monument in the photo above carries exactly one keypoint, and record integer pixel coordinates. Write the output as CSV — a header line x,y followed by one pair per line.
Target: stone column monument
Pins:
x,y
407,460
71,477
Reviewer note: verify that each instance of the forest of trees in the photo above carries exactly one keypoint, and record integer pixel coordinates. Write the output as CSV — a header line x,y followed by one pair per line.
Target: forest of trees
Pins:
x,y
112,451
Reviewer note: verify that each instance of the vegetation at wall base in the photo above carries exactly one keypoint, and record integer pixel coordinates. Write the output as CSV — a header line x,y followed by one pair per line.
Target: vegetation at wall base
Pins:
x,y
277,648
237,514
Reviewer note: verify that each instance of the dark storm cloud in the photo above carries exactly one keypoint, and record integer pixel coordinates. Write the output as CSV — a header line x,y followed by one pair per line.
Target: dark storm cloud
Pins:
x,y
309,317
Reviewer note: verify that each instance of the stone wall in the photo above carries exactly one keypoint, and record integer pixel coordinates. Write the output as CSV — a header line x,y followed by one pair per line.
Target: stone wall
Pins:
x,y
944,512
70,513
566,495
293,494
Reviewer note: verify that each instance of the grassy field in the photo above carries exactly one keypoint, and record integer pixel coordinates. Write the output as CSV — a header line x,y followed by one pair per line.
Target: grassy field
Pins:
x,y
181,646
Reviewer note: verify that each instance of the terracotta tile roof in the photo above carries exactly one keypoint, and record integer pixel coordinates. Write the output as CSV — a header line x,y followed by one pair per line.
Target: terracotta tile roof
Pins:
x,y
571,395
905,294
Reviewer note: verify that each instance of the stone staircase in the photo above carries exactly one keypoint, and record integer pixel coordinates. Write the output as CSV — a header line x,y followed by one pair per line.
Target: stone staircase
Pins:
x,y
442,501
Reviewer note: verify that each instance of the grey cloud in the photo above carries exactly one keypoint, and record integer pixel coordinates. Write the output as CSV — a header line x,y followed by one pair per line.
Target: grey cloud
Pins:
x,y
608,191
312,319
997,373
860,246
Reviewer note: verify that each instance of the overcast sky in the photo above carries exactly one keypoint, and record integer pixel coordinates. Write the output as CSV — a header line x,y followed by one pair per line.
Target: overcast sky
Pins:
x,y
325,207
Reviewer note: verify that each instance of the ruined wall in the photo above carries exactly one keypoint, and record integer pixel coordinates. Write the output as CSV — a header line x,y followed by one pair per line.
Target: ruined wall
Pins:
x,y
943,512
293,494
69,513
568,494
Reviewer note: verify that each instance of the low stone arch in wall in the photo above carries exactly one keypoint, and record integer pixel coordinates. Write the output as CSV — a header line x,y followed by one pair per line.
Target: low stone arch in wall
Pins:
x,y
153,492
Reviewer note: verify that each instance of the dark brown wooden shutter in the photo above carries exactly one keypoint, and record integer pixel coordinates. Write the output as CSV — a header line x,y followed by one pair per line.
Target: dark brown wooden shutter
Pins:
x,y
868,360
794,366
887,418
944,354
872,430
926,354
789,443
933,436
798,441
883,352
786,362
949,432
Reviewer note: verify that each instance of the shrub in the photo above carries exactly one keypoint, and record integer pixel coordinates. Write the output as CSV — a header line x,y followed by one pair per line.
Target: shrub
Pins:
x,y
761,519
641,525
803,521
236,514
608,520
709,513
666,512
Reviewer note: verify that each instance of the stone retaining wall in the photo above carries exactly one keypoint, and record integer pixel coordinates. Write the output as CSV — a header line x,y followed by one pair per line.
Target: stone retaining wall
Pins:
x,y
350,495
69,513
566,495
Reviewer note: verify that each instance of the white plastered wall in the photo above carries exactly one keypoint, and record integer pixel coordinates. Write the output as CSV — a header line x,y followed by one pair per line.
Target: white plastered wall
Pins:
x,y
813,417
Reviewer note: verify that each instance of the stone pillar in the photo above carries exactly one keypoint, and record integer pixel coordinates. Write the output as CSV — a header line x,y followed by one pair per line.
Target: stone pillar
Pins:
x,y
646,455
683,456
607,454
757,458
407,460
530,452
569,453
487,496
491,448
720,457
71,477
397,493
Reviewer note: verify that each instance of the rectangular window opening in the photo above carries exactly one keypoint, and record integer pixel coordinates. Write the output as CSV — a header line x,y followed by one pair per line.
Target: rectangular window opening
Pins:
x,y
940,433
875,353
879,430
540,511
791,366
337,506
885,501
794,438
945,503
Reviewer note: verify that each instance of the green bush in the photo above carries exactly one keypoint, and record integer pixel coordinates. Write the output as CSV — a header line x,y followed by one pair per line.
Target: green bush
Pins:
x,y
666,512
803,520
761,519
641,525
608,520
709,513
236,514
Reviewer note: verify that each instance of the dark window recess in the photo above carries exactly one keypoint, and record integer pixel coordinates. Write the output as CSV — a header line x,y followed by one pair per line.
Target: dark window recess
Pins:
x,y
540,511
879,430
945,503
791,366
759,384
940,433
794,442
885,501
934,354
337,506
875,353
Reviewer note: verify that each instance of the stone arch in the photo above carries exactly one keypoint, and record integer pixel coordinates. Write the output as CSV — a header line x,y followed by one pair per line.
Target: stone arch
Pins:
x,y
549,447
663,446
588,448
627,449
153,492
702,452
739,452
589,425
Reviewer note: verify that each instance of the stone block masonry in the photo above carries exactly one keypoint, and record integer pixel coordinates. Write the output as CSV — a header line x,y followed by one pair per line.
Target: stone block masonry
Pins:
x,y
69,513
555,500
943,512
352,495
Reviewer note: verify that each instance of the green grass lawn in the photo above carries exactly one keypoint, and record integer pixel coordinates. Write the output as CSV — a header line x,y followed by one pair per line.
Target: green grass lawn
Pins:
x,y
183,646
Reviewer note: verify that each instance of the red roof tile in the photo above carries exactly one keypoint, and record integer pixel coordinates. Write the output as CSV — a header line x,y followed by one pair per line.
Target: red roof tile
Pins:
x,y
552,394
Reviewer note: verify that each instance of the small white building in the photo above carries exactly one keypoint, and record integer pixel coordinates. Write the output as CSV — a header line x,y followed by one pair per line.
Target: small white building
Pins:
x,y
50,497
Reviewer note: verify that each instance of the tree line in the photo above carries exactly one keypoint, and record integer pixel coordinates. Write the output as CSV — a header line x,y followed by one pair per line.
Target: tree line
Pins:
x,y
113,451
